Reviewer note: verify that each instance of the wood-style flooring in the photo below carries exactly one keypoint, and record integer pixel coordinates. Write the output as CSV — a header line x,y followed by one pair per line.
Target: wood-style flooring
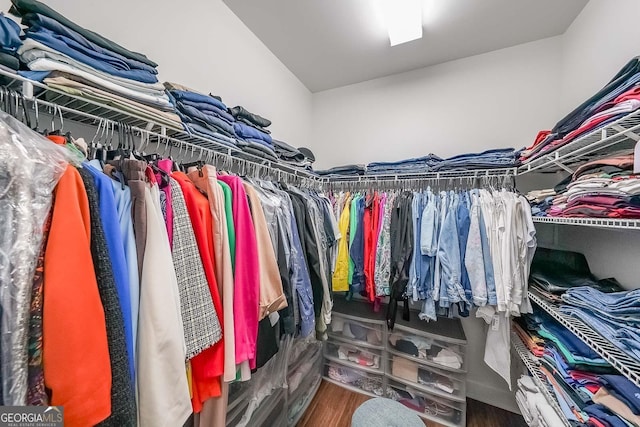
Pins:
x,y
333,406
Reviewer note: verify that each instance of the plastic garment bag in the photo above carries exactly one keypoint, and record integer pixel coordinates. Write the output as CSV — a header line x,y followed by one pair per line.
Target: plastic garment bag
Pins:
x,y
30,167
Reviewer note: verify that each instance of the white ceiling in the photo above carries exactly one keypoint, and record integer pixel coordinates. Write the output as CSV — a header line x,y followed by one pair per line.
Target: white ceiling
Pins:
x,y
332,43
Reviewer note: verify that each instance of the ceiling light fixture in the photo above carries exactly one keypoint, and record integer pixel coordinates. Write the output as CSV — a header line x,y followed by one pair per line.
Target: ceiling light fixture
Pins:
x,y
403,19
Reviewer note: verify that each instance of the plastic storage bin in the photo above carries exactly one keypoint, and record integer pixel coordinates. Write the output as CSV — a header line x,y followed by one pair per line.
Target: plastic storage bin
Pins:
x,y
435,408
354,379
365,359
426,378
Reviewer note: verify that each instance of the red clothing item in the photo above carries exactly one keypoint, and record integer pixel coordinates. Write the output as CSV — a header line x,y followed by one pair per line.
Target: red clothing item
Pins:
x,y
208,366
370,225
75,354
246,295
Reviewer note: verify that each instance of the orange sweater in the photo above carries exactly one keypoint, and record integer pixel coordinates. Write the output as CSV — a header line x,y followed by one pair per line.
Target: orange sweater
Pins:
x,y
75,352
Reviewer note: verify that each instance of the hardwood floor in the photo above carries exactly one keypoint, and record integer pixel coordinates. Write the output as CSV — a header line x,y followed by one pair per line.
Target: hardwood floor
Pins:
x,y
333,406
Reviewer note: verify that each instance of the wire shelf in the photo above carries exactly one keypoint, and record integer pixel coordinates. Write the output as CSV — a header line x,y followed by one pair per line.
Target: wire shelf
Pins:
x,y
621,133
622,224
628,366
448,174
90,112
532,364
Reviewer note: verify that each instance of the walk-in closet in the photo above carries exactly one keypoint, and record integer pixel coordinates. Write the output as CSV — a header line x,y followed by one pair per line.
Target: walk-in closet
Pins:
x,y
381,213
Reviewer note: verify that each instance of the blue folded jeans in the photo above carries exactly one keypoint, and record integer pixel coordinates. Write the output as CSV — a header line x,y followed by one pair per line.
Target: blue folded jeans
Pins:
x,y
615,307
621,335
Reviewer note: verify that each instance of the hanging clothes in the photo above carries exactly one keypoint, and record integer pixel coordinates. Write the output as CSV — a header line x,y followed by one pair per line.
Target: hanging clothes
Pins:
x,y
247,277
401,250
340,282
161,345
205,180
208,367
75,349
123,403
201,326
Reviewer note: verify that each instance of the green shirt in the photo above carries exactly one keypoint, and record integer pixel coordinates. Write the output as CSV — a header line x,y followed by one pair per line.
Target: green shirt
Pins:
x,y
230,226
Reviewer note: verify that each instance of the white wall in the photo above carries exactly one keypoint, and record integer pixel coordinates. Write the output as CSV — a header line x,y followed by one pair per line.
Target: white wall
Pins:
x,y
497,99
599,42
203,45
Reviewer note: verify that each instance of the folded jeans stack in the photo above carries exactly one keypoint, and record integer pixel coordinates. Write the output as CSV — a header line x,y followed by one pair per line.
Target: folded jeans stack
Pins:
x,y
415,165
613,315
490,159
82,63
496,158
618,98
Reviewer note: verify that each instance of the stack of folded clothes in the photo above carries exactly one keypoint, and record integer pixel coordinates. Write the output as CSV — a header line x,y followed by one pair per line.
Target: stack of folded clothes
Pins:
x,y
252,130
80,62
490,159
299,157
540,201
620,97
203,115
553,272
616,316
345,170
574,371
602,188
9,44
417,165
534,407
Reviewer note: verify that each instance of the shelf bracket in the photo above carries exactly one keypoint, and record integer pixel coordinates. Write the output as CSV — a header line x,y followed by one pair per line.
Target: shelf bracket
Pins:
x,y
555,160
629,134
27,89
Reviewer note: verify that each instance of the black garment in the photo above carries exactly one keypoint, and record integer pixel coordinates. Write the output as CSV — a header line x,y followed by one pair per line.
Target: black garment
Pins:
x,y
267,343
22,7
573,120
287,320
401,252
343,170
9,61
287,152
556,271
241,112
310,248
123,403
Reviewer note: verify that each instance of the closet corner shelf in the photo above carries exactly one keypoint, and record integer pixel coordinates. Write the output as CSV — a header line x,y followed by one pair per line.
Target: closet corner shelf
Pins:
x,y
622,133
531,362
85,111
627,366
622,224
